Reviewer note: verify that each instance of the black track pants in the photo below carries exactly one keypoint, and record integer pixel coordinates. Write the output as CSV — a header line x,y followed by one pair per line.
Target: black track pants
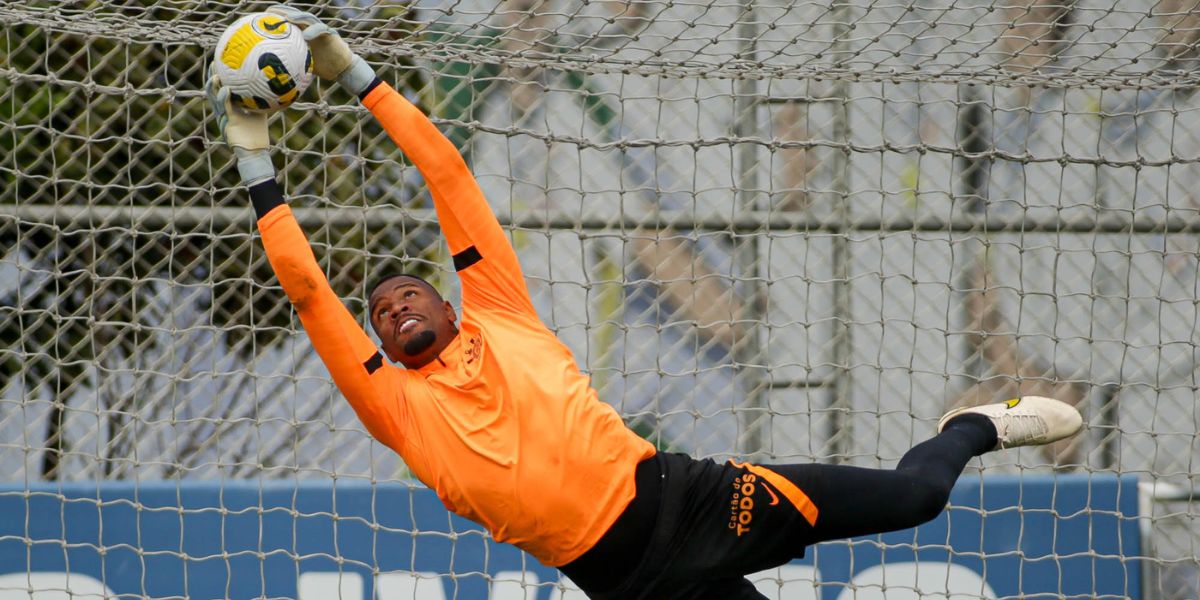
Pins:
x,y
717,523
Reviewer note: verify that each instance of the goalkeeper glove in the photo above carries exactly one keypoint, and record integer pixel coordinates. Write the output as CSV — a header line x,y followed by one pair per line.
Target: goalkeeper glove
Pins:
x,y
245,131
332,58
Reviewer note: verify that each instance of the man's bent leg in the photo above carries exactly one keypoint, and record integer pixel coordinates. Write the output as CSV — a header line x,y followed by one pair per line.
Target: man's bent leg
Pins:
x,y
863,501
735,519
854,501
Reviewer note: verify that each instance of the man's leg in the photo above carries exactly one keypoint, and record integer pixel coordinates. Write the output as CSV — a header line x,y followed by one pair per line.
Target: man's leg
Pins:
x,y
730,520
853,501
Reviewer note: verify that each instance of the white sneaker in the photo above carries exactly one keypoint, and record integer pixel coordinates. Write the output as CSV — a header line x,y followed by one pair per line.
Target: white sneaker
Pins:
x,y
1028,421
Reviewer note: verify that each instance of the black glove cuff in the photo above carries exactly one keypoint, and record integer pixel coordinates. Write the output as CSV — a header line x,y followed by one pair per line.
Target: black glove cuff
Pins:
x,y
265,196
374,84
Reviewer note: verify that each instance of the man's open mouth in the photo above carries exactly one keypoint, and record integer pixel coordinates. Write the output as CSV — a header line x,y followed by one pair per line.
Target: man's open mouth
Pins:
x,y
406,325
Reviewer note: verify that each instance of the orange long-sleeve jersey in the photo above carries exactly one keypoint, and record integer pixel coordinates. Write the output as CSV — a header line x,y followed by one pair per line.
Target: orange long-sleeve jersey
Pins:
x,y
502,426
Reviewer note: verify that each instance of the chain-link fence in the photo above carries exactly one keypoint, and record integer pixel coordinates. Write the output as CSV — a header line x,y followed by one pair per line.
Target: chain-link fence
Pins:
x,y
786,230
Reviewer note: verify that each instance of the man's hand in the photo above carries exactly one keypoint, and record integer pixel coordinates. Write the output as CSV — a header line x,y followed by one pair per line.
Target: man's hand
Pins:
x,y
245,131
332,57
240,128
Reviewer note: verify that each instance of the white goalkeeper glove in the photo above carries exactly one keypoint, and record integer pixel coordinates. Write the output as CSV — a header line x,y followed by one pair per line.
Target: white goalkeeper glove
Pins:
x,y
245,131
332,57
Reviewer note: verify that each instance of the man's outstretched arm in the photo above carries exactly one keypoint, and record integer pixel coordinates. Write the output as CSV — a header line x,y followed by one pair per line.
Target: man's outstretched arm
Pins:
x,y
341,343
483,256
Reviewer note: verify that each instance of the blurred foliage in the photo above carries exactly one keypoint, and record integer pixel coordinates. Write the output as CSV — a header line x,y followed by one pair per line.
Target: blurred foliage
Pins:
x,y
94,121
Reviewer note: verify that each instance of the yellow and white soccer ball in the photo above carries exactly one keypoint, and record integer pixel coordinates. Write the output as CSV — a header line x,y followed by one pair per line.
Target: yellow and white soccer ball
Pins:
x,y
264,62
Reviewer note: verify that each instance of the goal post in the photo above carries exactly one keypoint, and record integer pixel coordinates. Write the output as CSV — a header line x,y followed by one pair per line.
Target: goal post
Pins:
x,y
788,231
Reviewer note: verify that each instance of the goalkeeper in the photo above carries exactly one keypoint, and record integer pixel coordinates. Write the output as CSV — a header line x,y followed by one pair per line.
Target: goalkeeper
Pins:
x,y
491,412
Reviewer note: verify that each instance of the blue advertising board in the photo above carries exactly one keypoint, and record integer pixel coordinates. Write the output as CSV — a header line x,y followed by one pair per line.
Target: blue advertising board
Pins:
x,y
1036,537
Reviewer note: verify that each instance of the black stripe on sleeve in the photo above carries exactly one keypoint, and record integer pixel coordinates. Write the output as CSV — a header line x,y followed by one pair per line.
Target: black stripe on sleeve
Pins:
x,y
374,84
373,363
265,196
466,258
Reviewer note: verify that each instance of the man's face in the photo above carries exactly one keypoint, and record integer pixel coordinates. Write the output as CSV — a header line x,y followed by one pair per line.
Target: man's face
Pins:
x,y
412,320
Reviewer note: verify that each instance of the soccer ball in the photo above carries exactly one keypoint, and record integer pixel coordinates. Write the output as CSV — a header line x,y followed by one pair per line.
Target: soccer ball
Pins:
x,y
264,62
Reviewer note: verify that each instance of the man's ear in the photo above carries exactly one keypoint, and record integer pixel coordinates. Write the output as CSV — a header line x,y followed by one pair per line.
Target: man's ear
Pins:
x,y
449,308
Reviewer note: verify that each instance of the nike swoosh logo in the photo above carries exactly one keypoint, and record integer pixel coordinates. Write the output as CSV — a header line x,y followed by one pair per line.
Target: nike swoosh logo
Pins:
x,y
274,26
763,482
774,498
794,495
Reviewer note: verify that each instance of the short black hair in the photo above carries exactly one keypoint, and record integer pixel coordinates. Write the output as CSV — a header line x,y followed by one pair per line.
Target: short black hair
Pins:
x,y
394,275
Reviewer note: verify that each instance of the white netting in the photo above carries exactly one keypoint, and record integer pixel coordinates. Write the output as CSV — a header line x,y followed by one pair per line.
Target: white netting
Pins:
x,y
788,230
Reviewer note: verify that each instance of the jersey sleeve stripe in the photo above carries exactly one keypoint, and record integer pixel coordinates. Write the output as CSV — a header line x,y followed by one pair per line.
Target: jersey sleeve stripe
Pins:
x,y
466,258
372,364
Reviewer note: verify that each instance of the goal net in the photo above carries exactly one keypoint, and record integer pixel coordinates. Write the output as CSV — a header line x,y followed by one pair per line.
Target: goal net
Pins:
x,y
782,230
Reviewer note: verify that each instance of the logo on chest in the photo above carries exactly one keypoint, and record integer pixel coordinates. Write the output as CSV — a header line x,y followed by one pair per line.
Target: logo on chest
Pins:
x,y
474,349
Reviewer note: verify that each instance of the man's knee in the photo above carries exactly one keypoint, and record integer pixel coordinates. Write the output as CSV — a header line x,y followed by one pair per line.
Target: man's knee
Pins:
x,y
927,499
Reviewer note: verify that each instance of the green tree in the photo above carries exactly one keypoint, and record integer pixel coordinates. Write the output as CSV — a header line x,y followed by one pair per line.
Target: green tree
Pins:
x,y
109,122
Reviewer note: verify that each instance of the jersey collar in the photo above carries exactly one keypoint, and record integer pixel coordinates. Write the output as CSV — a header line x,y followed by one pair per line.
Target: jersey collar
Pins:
x,y
449,358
